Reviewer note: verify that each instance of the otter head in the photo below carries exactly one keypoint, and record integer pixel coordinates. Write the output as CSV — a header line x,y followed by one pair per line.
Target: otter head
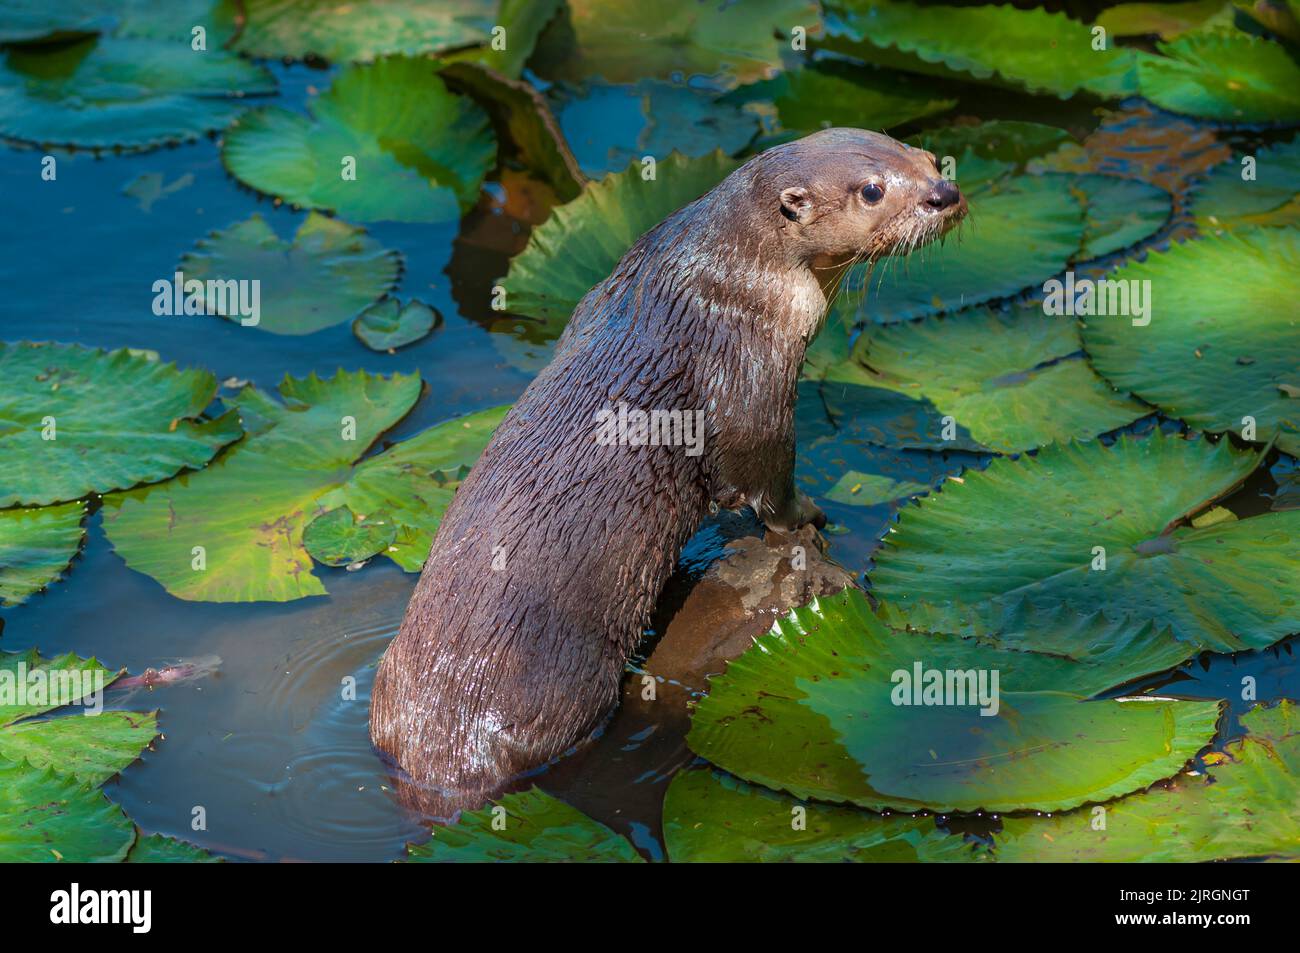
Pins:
x,y
846,195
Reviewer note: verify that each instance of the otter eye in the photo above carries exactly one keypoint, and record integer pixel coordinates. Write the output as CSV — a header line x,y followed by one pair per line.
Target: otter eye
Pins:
x,y
872,193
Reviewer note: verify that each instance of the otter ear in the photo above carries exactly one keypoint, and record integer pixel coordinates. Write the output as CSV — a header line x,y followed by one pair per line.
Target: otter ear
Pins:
x,y
796,204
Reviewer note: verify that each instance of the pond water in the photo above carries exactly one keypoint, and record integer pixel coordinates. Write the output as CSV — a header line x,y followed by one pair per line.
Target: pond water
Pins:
x,y
266,742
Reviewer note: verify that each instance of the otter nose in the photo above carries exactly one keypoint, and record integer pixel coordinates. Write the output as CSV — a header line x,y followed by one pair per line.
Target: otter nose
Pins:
x,y
943,195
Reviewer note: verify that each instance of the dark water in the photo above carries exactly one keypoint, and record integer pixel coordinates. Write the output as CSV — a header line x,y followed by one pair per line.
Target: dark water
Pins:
x,y
268,745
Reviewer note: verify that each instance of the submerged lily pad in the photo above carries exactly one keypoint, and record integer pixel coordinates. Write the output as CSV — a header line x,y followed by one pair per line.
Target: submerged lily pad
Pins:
x,y
248,510
1008,381
160,849
871,489
36,545
80,420
389,324
835,705
418,152
1029,530
341,537
710,817
624,41
1226,200
1026,49
47,817
1223,342
528,827
997,140
346,32
579,245
1229,77
1243,808
1119,212
128,94
90,747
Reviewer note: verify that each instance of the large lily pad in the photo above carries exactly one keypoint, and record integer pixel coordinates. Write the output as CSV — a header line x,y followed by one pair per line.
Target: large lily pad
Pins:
x,y
623,41
1216,351
710,817
579,245
48,817
533,828
248,511
1009,381
1026,49
116,418
128,94
820,708
346,32
1227,76
1244,808
1225,200
88,746
1226,586
36,545
328,274
420,151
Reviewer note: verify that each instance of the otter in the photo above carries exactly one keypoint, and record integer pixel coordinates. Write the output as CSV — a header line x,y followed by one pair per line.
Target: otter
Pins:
x,y
547,564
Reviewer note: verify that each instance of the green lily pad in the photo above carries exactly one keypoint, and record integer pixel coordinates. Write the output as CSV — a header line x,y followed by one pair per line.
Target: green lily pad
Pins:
x,y
1009,381
579,245
1024,49
88,746
1228,77
529,827
1215,351
997,140
1023,230
36,545
160,849
828,706
48,817
837,93
710,817
523,21
329,273
871,489
389,324
119,93
341,537
1227,201
623,41
1224,587
1119,212
28,21
1243,809
420,151
1166,20
78,420
347,32
249,509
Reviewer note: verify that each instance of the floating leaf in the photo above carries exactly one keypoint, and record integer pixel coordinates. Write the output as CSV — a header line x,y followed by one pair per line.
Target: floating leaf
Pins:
x,y
710,817
78,420
1229,77
341,537
1166,20
159,849
128,94
1224,587
1029,49
1026,229
36,545
90,746
27,21
870,489
248,510
523,21
579,245
998,140
1216,351
1008,381
1119,212
625,41
420,152
330,272
47,817
389,324
538,829
829,705
1226,199
1245,808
